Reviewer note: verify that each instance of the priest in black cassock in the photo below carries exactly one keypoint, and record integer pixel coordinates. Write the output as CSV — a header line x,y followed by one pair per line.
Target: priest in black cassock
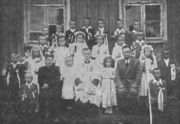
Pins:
x,y
50,88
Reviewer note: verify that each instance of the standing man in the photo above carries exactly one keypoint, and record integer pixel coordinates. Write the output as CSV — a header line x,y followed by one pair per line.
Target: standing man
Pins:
x,y
50,88
89,33
127,77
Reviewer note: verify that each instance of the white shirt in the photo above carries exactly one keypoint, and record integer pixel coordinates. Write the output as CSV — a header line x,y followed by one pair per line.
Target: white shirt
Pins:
x,y
72,30
60,54
134,31
117,52
127,61
119,31
157,82
166,61
100,31
141,43
100,52
29,84
87,28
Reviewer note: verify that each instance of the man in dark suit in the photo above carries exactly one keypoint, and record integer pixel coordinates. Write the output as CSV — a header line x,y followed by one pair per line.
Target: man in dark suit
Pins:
x,y
89,33
50,87
127,77
165,65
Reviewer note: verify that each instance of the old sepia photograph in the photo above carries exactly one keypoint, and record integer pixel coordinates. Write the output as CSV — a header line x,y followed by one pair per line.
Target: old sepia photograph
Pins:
x,y
89,61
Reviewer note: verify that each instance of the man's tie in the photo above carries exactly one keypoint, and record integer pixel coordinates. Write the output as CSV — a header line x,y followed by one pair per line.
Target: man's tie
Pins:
x,y
127,63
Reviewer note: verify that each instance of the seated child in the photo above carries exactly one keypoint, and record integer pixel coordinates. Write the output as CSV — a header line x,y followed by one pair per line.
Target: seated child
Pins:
x,y
157,91
87,86
29,95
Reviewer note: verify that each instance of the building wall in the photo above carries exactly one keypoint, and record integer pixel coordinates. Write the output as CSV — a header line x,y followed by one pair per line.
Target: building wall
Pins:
x,y
173,26
12,21
108,10
11,31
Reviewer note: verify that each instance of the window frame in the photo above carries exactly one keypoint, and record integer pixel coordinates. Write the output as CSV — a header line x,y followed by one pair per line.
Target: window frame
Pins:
x,y
143,3
46,7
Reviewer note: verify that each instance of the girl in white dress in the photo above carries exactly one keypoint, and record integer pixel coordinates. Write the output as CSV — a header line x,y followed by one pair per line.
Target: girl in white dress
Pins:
x,y
61,52
101,50
68,76
77,47
148,62
36,61
117,50
109,99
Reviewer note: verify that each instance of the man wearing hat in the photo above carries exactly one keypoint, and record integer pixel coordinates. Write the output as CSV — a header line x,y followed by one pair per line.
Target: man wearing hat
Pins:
x,y
168,72
50,87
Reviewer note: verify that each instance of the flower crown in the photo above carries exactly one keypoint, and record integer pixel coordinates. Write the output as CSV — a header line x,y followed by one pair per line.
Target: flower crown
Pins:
x,y
79,33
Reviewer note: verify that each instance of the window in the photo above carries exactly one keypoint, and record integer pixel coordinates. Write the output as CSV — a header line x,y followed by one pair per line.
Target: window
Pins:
x,y
151,14
40,16
153,21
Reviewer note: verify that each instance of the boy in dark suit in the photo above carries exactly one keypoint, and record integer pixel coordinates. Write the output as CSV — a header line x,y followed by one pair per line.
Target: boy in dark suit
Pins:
x,y
131,36
89,33
168,72
29,95
157,91
50,87
70,33
127,79
13,79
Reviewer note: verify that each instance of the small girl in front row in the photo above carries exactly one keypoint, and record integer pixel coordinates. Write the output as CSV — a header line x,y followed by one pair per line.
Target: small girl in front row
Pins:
x,y
109,99
29,95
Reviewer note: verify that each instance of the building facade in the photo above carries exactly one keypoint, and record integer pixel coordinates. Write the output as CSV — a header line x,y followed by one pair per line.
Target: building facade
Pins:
x,y
23,20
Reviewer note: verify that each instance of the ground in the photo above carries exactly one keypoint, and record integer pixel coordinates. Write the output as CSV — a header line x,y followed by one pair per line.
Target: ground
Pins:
x,y
169,116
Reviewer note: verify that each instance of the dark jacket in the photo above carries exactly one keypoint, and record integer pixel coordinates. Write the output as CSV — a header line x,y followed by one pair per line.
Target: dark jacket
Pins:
x,y
50,76
70,37
89,39
165,70
128,76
